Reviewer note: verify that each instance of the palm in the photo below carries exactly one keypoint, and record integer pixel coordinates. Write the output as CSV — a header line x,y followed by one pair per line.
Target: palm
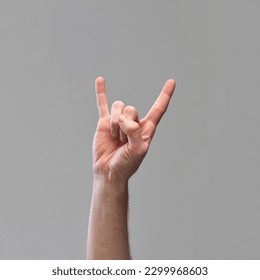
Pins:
x,y
108,151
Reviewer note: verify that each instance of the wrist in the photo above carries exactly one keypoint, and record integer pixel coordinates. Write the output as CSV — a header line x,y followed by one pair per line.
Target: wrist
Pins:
x,y
110,178
109,186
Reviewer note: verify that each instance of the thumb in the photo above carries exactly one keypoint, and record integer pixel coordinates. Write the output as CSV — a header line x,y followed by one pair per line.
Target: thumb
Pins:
x,y
133,132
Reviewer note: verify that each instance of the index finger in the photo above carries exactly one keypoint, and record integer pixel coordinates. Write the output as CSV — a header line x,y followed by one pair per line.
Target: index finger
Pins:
x,y
101,97
160,105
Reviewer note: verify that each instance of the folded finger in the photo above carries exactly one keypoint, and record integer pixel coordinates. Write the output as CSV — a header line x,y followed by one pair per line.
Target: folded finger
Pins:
x,y
133,132
131,113
116,110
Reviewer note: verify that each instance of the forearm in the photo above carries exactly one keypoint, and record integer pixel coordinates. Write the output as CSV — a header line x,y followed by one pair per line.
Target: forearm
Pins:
x,y
107,231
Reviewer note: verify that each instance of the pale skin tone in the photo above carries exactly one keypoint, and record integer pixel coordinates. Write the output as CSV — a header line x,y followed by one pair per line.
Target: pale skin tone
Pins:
x,y
120,144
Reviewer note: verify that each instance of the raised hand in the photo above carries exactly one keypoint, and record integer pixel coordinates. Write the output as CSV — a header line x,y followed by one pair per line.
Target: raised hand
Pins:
x,y
122,140
120,144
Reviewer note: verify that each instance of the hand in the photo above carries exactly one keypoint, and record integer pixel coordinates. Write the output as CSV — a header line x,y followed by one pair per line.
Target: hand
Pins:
x,y
122,140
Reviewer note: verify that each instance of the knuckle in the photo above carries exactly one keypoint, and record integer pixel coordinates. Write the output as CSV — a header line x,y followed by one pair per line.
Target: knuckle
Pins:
x,y
159,107
118,104
130,110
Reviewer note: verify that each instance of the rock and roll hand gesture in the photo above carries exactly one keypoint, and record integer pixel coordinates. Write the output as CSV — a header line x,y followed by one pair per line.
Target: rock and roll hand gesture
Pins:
x,y
122,139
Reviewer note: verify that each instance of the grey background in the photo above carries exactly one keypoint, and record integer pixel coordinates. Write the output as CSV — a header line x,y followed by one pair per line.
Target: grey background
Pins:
x,y
196,195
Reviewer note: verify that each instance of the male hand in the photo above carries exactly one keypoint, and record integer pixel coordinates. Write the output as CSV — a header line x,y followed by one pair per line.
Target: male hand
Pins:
x,y
122,140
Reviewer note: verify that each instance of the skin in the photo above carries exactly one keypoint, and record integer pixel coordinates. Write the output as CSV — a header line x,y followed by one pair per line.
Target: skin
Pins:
x,y
120,144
